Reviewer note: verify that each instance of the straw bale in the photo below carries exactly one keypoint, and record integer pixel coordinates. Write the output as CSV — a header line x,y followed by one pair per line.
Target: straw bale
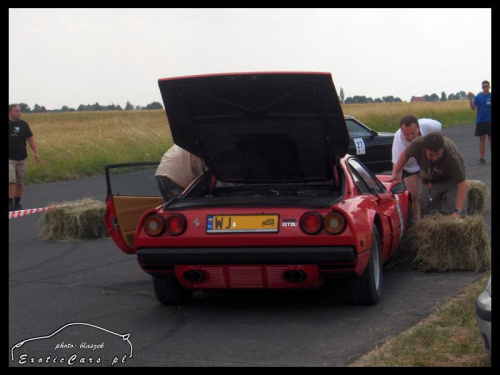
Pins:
x,y
74,220
477,195
442,243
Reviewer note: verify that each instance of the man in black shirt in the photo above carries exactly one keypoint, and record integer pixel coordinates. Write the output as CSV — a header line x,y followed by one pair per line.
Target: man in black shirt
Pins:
x,y
19,134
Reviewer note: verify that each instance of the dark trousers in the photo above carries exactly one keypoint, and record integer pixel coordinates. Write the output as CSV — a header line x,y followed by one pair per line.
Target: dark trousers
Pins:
x,y
442,198
168,188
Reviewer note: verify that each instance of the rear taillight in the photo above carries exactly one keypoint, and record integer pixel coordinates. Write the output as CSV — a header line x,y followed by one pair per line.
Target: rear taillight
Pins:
x,y
175,224
154,225
311,222
334,222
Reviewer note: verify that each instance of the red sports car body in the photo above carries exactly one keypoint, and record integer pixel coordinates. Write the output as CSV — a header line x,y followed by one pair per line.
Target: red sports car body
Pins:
x,y
281,204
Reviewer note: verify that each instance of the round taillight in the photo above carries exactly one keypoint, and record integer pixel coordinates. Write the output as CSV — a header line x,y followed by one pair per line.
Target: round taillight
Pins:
x,y
154,225
334,222
311,222
176,224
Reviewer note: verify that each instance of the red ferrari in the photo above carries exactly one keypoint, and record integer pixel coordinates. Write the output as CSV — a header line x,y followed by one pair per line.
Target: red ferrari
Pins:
x,y
281,204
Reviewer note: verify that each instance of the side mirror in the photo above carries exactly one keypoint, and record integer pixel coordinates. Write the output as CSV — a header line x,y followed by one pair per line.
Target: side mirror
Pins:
x,y
398,188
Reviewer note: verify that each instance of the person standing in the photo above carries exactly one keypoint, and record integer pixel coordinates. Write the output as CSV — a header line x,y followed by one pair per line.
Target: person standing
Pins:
x,y
443,187
177,169
482,102
410,128
19,134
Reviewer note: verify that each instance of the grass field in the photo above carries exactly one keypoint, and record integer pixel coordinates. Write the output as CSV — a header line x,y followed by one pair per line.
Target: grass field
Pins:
x,y
447,338
79,144
386,116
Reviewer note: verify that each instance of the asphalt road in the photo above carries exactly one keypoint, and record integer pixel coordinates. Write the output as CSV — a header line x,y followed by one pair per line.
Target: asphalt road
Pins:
x,y
52,284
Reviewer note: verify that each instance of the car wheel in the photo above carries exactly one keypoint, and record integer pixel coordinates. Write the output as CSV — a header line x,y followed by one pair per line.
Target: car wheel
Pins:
x,y
169,291
367,289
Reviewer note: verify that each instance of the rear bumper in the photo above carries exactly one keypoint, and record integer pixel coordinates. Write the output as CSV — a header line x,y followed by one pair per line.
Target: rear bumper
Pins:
x,y
245,255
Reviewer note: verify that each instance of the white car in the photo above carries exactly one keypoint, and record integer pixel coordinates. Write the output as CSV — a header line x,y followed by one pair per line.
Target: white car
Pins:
x,y
483,315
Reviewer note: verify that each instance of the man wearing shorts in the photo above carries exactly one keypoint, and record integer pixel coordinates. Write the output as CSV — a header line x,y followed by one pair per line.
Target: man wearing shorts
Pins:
x,y
409,129
482,102
19,134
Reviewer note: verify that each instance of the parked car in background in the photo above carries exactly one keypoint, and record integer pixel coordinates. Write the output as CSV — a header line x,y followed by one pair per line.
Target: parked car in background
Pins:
x,y
281,204
483,315
373,148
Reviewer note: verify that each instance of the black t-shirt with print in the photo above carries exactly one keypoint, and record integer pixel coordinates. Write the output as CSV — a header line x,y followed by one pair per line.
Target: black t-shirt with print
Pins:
x,y
19,131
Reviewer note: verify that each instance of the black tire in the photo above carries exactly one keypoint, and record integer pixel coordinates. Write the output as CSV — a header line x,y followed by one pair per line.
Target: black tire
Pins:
x,y
367,289
169,291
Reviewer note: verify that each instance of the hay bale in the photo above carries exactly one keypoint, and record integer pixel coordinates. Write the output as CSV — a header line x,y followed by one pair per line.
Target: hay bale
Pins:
x,y
442,243
477,195
74,220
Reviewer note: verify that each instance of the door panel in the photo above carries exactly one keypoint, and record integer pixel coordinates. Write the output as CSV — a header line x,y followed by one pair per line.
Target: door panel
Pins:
x,y
128,212
132,190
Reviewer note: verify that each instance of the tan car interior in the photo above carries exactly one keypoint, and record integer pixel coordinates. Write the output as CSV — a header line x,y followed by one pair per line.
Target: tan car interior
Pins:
x,y
129,210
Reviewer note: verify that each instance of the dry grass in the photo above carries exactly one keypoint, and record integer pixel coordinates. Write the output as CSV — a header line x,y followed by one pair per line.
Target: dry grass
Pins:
x,y
74,220
386,116
441,243
79,144
476,196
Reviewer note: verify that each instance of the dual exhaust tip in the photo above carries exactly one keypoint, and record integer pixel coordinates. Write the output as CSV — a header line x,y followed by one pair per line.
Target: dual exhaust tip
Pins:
x,y
195,276
292,276
295,276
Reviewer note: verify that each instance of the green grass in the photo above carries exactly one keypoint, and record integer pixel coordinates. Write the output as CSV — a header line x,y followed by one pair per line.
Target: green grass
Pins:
x,y
79,144
447,338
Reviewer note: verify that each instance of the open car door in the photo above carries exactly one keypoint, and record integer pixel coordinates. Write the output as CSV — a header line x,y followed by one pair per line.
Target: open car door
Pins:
x,y
132,190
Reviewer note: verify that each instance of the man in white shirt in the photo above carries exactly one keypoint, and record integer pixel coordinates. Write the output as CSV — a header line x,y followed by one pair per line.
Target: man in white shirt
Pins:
x,y
410,128
177,169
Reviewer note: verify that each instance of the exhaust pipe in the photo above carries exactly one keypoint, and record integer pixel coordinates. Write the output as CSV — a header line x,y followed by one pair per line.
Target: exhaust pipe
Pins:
x,y
295,276
195,276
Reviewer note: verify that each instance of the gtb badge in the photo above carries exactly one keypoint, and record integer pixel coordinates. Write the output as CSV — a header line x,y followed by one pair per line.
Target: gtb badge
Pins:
x,y
289,223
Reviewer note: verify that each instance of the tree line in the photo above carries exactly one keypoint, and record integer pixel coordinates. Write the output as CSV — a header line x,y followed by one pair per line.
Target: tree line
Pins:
x,y
89,107
461,95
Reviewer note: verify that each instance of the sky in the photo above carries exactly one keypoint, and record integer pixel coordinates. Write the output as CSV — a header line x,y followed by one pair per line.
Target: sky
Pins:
x,y
67,57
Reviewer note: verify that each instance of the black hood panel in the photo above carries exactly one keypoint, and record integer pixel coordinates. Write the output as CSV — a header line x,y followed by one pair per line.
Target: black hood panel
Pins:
x,y
259,127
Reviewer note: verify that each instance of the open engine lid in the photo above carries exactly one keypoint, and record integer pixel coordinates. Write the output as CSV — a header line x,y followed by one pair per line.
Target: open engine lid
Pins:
x,y
258,127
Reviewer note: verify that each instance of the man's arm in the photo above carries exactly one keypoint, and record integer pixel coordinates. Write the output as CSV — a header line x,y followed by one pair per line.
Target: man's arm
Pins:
x,y
471,101
397,168
461,196
398,148
32,143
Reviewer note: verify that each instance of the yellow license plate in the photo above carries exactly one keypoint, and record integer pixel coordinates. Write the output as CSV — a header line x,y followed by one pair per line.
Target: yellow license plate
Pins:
x,y
242,223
